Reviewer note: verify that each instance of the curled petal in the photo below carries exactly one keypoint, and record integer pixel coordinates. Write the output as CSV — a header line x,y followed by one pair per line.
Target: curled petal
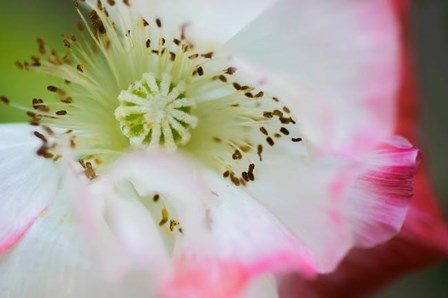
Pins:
x,y
333,205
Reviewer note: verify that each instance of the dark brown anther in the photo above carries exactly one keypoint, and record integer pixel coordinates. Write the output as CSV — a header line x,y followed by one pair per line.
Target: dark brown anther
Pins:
x,y
80,68
52,88
260,151
4,99
127,3
36,61
200,71
264,131
222,78
275,99
80,26
249,95
284,120
61,113
48,130
193,56
237,155
156,198
284,131
176,41
278,113
162,41
208,55
76,4
286,110
226,174
296,140
42,150
236,86
145,23
67,43
251,168
148,43
40,136
19,64
259,94
67,82
72,143
231,70
111,2
38,103
172,56
67,100
268,114
41,46
245,176
159,23
270,141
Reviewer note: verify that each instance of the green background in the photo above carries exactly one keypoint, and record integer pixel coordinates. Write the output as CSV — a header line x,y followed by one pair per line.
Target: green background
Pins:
x,y
22,21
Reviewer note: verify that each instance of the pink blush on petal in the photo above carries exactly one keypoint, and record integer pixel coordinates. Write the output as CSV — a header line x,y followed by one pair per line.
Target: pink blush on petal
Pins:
x,y
15,237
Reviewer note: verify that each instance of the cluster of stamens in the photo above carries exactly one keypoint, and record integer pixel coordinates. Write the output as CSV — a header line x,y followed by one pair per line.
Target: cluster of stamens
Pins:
x,y
175,97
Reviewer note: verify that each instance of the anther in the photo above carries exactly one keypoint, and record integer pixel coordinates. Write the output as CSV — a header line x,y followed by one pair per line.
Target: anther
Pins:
x,y
296,140
237,155
284,131
231,70
40,136
159,23
164,219
264,131
156,198
260,151
4,99
270,141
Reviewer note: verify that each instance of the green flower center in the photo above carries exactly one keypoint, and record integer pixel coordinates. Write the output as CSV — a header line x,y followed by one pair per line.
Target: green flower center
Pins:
x,y
156,112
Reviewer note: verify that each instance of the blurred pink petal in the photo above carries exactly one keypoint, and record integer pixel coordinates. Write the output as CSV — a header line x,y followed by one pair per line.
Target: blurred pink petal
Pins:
x,y
423,239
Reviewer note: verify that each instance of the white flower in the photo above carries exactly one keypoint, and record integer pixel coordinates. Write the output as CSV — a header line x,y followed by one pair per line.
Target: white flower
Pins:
x,y
218,141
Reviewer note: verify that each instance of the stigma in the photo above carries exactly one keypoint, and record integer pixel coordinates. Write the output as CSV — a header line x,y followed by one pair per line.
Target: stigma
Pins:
x,y
155,112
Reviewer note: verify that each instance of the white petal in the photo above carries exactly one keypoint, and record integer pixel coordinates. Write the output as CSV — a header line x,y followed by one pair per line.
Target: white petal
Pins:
x,y
119,229
227,237
52,261
207,20
334,62
334,204
27,182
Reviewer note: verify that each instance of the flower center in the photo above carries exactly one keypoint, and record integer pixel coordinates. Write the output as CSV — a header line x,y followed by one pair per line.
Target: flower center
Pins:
x,y
139,85
155,112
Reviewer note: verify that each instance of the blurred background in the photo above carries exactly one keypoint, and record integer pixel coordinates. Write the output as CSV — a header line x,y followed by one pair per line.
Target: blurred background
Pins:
x,y
22,21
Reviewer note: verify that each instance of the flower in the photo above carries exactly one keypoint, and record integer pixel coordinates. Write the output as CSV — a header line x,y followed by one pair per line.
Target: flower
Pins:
x,y
199,148
423,239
